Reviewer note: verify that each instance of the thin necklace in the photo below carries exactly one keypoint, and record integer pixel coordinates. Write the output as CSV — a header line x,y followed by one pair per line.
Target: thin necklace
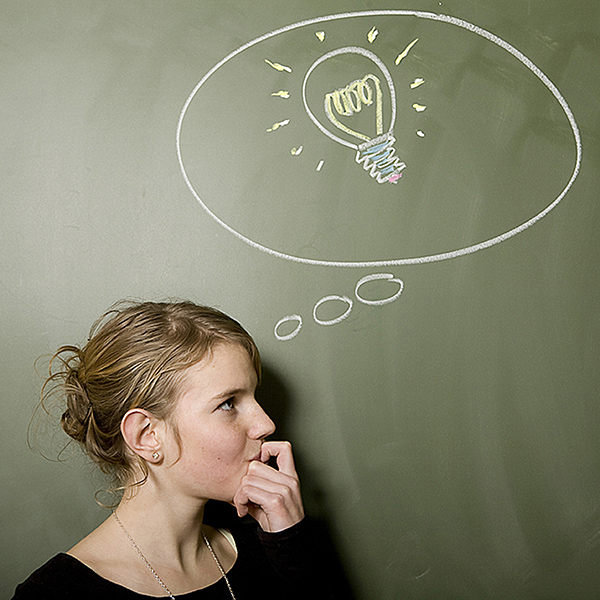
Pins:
x,y
158,579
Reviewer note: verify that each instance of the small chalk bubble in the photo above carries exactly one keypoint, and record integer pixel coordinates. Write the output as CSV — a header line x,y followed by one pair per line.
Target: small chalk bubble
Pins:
x,y
296,151
417,82
419,107
372,35
333,298
421,133
281,94
320,165
320,35
292,333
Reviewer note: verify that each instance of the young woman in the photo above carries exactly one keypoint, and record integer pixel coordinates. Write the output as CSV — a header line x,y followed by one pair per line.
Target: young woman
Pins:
x,y
162,398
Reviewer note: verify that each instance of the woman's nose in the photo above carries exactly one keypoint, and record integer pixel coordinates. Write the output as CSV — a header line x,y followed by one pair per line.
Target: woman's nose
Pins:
x,y
262,425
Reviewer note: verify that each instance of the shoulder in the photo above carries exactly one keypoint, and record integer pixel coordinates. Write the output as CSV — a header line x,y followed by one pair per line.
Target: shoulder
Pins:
x,y
48,580
61,577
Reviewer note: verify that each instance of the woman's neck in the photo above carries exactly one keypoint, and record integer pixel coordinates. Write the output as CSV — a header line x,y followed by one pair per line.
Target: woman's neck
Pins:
x,y
166,535
172,526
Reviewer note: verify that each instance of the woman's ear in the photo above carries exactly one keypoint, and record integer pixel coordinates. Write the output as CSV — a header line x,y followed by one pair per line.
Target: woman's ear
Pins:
x,y
142,434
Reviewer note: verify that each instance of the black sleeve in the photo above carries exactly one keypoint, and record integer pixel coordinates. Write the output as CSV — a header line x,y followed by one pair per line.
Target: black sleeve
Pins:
x,y
293,554
288,552
302,561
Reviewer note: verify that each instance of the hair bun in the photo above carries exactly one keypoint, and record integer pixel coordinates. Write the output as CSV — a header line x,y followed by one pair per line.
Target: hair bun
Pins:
x,y
76,418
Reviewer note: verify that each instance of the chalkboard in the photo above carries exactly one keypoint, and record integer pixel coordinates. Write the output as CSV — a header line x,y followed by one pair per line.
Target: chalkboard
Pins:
x,y
399,202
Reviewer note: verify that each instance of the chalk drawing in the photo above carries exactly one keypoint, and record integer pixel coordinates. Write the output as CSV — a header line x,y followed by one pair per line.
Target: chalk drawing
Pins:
x,y
405,52
388,277
339,319
375,277
372,35
320,35
276,126
296,151
294,333
377,156
320,165
349,100
282,94
277,66
419,107
417,82
389,261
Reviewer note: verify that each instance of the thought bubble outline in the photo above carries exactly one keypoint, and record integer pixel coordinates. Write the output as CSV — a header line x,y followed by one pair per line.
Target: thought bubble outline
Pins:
x,y
401,261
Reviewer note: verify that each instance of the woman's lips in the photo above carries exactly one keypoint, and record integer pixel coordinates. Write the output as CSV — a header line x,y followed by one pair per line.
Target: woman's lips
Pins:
x,y
257,457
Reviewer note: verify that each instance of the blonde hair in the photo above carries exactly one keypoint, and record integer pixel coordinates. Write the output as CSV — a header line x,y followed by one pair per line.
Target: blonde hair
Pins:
x,y
135,357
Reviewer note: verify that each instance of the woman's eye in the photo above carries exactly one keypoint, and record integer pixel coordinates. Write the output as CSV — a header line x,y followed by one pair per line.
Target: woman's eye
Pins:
x,y
227,405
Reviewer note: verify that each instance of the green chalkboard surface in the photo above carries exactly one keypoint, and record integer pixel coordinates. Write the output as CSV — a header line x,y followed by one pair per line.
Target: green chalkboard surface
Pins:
x,y
398,200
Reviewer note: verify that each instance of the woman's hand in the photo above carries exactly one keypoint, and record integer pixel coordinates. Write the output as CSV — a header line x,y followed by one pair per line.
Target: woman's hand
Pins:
x,y
271,496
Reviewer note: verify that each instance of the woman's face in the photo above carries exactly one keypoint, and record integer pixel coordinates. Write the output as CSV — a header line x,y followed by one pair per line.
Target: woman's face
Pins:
x,y
221,426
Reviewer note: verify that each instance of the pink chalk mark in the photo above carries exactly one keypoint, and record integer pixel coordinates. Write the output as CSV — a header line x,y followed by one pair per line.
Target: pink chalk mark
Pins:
x,y
393,178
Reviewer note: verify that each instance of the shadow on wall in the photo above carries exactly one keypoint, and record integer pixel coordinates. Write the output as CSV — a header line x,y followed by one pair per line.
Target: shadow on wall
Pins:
x,y
275,399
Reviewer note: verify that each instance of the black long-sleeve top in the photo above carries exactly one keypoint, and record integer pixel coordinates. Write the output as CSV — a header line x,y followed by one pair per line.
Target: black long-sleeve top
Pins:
x,y
269,566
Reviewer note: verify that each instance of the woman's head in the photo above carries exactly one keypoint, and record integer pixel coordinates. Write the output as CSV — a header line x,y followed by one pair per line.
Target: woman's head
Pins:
x,y
135,358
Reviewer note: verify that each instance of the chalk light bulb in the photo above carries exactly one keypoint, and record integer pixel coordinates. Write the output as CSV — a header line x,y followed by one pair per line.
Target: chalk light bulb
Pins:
x,y
377,155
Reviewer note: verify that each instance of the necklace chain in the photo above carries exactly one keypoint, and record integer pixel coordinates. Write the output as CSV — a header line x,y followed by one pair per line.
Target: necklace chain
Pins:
x,y
151,569
218,564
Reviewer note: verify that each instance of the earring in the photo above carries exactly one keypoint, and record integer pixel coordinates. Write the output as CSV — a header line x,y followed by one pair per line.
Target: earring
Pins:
x,y
155,455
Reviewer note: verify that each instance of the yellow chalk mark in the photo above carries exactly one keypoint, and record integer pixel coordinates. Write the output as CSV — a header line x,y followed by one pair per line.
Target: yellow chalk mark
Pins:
x,y
276,126
320,35
417,82
372,35
419,107
406,50
277,66
349,101
281,94
296,151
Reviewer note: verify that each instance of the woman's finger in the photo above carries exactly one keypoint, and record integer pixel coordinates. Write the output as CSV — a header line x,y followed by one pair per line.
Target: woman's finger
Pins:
x,y
270,479
274,510
282,452
273,483
269,495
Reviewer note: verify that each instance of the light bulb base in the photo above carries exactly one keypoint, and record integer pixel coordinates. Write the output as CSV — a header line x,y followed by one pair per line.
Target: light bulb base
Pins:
x,y
378,158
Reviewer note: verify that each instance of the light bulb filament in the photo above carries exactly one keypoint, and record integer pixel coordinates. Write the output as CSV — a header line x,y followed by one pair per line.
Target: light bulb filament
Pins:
x,y
349,100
